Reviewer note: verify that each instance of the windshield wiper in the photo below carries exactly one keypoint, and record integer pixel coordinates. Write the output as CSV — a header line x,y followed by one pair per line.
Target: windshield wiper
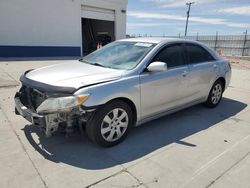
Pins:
x,y
84,61
97,64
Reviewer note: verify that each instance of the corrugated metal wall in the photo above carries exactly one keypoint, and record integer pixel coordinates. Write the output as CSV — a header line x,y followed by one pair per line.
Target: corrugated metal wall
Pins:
x,y
236,45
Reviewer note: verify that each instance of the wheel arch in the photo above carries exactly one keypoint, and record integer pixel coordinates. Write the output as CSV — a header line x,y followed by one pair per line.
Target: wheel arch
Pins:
x,y
223,80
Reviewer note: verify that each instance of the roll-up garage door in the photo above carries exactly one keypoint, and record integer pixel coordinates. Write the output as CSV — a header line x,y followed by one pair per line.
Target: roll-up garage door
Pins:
x,y
98,13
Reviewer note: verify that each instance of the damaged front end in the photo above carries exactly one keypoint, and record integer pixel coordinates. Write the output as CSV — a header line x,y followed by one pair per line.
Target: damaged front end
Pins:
x,y
51,108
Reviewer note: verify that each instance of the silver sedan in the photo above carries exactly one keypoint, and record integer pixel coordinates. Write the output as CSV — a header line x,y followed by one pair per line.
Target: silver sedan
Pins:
x,y
125,84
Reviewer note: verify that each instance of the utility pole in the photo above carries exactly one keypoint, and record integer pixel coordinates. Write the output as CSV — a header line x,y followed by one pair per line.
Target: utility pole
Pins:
x,y
188,13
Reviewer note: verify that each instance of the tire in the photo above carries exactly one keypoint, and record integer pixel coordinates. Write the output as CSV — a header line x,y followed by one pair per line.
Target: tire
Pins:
x,y
215,94
110,124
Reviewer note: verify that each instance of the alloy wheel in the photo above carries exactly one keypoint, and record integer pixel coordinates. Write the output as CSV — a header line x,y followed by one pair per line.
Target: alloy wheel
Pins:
x,y
114,125
216,93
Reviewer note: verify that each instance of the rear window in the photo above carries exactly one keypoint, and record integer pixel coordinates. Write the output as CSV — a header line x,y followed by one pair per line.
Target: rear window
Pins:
x,y
198,54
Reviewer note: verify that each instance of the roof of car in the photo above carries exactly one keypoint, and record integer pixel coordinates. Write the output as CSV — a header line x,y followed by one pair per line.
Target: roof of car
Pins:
x,y
155,40
158,40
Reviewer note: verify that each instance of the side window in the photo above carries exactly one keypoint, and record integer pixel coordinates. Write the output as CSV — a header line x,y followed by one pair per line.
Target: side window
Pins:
x,y
172,55
197,54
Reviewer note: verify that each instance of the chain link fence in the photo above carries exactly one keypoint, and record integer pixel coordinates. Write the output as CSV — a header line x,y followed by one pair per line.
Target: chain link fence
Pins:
x,y
228,45
231,45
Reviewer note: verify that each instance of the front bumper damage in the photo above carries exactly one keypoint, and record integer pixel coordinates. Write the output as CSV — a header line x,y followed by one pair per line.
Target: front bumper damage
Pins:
x,y
26,104
43,122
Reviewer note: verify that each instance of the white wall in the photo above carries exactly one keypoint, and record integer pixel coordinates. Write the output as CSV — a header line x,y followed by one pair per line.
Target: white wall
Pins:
x,y
39,22
50,22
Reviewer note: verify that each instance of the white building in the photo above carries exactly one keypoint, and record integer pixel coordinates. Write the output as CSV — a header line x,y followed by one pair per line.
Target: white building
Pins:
x,y
36,28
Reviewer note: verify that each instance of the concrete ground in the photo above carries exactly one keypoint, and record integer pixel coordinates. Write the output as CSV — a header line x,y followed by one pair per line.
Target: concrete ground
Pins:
x,y
197,147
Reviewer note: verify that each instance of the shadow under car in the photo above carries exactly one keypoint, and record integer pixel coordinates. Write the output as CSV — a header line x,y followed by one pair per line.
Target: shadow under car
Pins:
x,y
143,140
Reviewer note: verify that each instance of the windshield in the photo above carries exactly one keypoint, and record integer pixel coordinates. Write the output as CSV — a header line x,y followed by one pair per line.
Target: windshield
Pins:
x,y
119,55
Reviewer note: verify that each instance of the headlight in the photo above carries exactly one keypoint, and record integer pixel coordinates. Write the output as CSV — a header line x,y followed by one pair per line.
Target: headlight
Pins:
x,y
61,104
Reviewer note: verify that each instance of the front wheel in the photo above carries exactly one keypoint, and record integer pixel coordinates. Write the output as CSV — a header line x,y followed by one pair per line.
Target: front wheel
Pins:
x,y
215,94
110,124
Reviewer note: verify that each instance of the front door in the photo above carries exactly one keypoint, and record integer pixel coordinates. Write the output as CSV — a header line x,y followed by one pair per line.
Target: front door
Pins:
x,y
162,91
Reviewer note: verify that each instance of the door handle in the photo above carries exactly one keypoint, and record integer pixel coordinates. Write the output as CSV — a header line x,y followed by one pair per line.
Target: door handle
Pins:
x,y
215,66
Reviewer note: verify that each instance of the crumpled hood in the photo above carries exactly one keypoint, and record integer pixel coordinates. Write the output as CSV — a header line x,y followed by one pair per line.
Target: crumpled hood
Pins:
x,y
73,74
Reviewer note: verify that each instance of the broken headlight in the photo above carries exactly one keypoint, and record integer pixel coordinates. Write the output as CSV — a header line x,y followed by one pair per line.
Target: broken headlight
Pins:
x,y
61,104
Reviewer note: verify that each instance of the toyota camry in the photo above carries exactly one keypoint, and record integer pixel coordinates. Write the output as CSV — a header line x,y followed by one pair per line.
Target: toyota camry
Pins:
x,y
122,85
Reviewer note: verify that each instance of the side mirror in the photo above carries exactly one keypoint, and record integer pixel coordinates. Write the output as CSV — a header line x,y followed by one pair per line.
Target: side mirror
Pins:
x,y
157,67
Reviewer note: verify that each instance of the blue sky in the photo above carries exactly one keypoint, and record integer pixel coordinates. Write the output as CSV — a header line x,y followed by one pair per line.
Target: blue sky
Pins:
x,y
168,17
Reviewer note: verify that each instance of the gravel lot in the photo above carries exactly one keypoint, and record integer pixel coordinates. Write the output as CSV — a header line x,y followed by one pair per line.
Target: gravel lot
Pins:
x,y
239,62
197,147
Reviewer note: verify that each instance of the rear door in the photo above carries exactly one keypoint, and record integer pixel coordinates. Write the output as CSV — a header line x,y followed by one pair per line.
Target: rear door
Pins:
x,y
161,91
203,69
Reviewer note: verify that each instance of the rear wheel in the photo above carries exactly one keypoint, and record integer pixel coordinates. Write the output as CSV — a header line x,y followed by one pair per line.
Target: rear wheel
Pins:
x,y
110,124
215,94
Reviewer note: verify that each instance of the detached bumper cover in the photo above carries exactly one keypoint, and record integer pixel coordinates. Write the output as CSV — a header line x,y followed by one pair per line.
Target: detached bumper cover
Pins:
x,y
28,114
